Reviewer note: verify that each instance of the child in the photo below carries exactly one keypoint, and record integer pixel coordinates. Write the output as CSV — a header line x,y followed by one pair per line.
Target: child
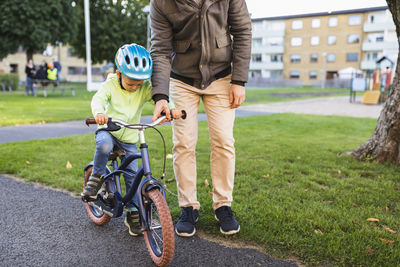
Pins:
x,y
121,96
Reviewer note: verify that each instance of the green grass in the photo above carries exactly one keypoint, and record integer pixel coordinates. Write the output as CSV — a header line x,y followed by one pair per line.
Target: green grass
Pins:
x,y
16,108
296,194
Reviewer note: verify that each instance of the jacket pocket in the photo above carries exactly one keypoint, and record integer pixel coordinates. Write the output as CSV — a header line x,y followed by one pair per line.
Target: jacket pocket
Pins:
x,y
181,46
223,41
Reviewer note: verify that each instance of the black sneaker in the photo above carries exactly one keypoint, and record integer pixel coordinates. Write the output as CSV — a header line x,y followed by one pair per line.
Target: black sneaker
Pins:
x,y
227,221
93,186
185,225
132,221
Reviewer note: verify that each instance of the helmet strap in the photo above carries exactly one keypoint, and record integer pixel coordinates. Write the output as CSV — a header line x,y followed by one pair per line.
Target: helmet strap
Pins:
x,y
120,83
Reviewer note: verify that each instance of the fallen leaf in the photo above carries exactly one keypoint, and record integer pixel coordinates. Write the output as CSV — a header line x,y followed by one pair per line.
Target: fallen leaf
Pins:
x,y
318,232
386,241
355,205
28,162
386,208
266,176
369,251
339,172
373,220
170,180
206,184
69,165
390,230
169,156
328,201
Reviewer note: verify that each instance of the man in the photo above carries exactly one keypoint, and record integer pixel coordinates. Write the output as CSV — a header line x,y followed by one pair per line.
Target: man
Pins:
x,y
195,57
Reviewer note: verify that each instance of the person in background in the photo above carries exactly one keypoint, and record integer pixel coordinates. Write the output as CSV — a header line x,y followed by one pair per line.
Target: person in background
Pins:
x,y
57,65
30,76
52,73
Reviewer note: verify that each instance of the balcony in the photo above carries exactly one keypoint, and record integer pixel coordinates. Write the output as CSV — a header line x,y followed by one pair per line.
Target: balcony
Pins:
x,y
379,46
266,65
267,49
379,27
368,65
260,33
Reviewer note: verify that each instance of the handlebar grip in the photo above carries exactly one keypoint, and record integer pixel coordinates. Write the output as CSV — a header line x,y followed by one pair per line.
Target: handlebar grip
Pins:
x,y
90,121
184,114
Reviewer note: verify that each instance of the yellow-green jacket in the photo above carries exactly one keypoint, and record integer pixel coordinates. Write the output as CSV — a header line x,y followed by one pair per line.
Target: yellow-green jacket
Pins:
x,y
118,103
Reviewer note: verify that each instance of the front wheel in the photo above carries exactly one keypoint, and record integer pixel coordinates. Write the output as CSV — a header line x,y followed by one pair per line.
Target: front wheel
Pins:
x,y
95,214
160,239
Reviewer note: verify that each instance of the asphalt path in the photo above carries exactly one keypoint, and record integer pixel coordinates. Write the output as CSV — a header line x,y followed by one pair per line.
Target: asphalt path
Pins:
x,y
45,227
68,128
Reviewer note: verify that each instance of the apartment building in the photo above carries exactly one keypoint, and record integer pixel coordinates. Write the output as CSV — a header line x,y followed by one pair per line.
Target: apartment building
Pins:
x,y
267,48
379,39
73,68
317,46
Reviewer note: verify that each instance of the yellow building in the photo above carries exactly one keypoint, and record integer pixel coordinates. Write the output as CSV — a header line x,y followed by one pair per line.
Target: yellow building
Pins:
x,y
311,49
73,68
317,46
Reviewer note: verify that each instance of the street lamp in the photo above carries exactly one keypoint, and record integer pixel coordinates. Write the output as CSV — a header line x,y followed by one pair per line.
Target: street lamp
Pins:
x,y
146,10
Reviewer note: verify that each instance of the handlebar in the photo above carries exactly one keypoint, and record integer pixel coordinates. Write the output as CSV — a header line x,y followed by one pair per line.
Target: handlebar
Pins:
x,y
133,126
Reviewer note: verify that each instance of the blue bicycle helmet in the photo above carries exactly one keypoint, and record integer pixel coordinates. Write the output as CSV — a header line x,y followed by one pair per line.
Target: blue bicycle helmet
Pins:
x,y
134,61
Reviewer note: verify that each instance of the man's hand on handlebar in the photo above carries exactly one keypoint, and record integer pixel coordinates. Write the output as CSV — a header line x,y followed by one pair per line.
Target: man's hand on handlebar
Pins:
x,y
101,118
161,106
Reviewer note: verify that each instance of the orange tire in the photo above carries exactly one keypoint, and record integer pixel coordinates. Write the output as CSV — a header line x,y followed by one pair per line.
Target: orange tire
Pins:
x,y
160,239
96,217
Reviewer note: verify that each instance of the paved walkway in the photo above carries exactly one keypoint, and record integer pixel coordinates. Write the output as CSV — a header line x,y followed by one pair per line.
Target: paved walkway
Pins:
x,y
339,106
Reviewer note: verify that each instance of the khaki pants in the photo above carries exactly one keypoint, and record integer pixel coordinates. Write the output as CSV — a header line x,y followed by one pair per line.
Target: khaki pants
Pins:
x,y
220,118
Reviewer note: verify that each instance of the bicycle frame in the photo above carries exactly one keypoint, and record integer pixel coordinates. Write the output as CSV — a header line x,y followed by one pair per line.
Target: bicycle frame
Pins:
x,y
140,185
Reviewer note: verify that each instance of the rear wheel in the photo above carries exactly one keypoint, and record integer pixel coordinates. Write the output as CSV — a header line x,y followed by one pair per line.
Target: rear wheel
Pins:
x,y
95,214
160,239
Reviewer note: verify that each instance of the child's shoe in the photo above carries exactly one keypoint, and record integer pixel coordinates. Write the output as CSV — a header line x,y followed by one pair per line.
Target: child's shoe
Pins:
x,y
132,221
93,186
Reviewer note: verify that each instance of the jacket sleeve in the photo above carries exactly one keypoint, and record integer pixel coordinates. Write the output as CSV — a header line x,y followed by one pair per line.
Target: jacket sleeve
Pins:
x,y
240,28
100,101
161,49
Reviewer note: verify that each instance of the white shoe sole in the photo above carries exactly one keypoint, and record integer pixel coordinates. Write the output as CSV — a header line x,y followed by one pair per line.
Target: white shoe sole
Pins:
x,y
186,234
231,232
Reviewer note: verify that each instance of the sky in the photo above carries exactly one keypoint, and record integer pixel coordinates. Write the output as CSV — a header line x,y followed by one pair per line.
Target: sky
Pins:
x,y
273,8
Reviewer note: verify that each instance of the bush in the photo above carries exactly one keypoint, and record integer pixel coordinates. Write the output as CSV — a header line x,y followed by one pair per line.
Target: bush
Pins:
x,y
9,80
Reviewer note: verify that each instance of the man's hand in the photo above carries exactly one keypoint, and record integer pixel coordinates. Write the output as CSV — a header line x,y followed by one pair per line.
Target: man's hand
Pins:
x,y
161,105
237,95
101,118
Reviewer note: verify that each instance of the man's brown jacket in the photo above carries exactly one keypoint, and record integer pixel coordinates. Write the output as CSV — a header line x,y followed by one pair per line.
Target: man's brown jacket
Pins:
x,y
194,42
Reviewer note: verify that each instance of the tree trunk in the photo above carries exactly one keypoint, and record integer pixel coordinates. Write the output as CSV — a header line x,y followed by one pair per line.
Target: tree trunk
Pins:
x,y
29,54
384,144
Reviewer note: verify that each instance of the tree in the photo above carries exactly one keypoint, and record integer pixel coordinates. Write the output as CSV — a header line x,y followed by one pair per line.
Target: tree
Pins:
x,y
33,24
112,24
384,144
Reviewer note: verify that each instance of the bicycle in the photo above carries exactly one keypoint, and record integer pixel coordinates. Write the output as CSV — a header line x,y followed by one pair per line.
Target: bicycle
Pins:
x,y
154,214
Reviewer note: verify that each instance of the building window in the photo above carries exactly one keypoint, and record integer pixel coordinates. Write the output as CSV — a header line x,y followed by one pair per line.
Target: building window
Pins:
x,y
352,57
313,75
294,74
276,58
331,39
96,71
314,40
274,41
379,39
355,20
256,58
295,58
297,24
315,23
314,58
76,71
353,38
331,57
296,41
14,68
333,22
257,42
275,74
